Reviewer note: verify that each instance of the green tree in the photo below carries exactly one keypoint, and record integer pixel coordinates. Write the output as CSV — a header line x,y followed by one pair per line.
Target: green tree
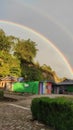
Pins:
x,y
46,68
25,50
9,65
31,73
4,44
17,58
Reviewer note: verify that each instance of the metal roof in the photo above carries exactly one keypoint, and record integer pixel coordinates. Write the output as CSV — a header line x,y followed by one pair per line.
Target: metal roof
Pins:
x,y
69,82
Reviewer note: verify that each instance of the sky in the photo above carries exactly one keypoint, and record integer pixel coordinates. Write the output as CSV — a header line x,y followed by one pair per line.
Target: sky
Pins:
x,y
52,19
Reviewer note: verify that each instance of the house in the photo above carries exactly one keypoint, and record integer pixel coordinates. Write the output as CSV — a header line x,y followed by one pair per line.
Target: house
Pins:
x,y
6,82
46,87
65,87
34,87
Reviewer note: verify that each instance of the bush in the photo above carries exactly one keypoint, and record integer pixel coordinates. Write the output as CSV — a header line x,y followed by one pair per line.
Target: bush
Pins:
x,y
57,112
1,93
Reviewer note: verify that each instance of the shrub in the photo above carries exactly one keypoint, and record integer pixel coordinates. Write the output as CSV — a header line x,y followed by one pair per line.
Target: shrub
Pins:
x,y
57,112
1,93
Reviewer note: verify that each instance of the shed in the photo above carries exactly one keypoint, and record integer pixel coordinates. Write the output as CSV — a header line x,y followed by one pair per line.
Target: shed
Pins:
x,y
65,87
6,82
46,87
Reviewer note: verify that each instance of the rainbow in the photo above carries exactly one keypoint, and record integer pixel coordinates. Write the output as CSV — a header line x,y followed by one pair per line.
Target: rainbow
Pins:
x,y
45,39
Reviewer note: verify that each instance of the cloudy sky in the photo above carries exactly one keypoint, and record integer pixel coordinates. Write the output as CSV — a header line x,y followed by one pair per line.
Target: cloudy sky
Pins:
x,y
52,19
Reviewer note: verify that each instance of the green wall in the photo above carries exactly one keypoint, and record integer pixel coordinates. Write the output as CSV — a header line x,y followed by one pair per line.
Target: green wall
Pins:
x,y
27,87
70,88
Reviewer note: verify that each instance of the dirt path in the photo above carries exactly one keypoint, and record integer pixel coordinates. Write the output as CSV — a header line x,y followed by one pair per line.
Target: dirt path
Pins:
x,y
15,114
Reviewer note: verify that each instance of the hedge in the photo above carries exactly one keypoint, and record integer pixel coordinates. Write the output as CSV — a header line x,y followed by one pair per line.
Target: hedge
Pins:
x,y
56,112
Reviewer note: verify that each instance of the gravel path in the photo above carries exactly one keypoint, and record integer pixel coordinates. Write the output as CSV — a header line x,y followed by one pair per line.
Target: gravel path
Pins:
x,y
15,113
15,116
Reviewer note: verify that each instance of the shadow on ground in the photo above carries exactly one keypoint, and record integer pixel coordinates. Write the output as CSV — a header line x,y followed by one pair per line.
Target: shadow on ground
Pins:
x,y
8,99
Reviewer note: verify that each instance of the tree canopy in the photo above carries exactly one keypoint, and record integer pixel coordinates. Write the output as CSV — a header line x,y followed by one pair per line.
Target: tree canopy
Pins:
x,y
17,59
9,65
25,50
12,52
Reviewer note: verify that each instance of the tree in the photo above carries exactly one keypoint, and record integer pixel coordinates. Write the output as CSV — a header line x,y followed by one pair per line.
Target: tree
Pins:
x,y
32,73
46,68
9,65
17,58
4,44
25,50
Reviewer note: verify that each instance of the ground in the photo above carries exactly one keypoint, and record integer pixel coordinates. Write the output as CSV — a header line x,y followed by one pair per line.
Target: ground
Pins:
x,y
15,113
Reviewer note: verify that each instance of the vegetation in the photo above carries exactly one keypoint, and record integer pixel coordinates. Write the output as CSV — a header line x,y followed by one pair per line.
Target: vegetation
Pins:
x,y
17,59
9,65
1,94
57,112
25,50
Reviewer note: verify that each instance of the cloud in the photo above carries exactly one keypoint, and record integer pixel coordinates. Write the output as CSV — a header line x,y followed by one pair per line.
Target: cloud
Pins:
x,y
37,15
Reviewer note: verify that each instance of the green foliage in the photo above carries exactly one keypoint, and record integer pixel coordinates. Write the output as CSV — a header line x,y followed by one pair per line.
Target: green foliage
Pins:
x,y
25,50
9,65
4,44
17,57
46,68
31,73
1,93
57,112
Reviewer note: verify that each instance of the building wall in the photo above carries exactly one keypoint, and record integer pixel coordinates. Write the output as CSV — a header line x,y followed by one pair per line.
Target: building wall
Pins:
x,y
45,88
